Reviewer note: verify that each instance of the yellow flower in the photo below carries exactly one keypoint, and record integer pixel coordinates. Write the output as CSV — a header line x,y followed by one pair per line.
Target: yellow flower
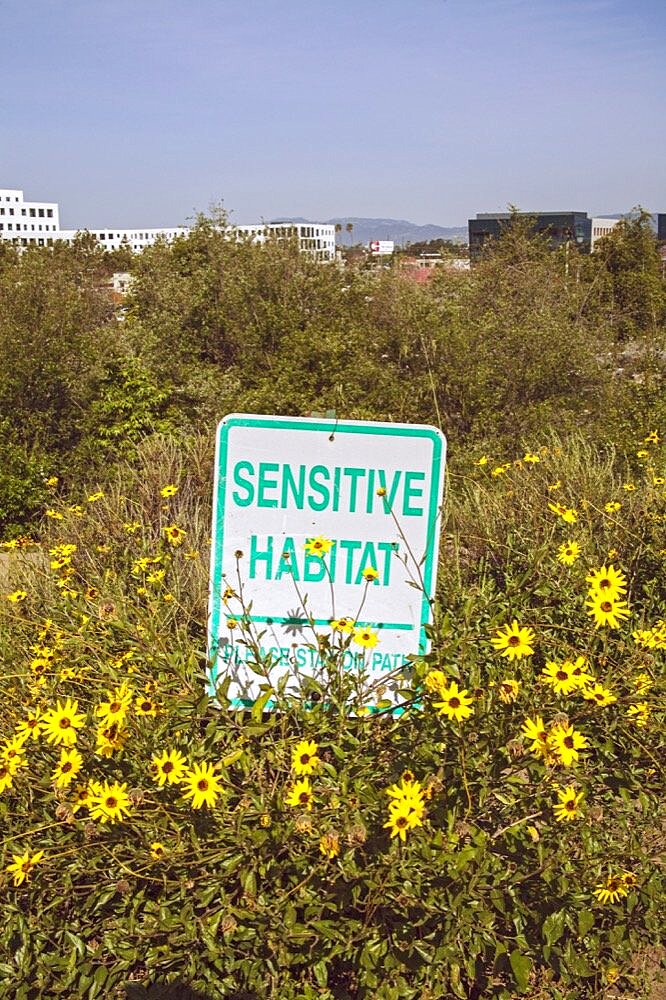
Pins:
x,y
202,785
409,794
94,497
109,805
482,461
131,527
55,515
192,554
567,808
629,487
17,596
145,706
365,637
76,510
329,845
639,714
499,470
531,458
513,641
599,695
304,758
343,625
169,767
22,865
652,438
67,767
642,683
402,819
52,481
169,490
612,890
370,574
174,535
555,486
612,507
318,546
455,704
606,610
607,580
568,552
436,682
60,723
559,677
566,742
642,453
30,728
157,850
508,689
115,709
300,795
8,769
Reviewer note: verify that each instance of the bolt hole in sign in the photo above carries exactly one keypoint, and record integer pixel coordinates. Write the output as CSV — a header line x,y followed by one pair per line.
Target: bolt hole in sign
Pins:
x,y
286,487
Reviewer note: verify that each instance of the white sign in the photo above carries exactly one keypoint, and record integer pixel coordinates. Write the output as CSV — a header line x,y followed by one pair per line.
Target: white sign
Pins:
x,y
382,246
318,522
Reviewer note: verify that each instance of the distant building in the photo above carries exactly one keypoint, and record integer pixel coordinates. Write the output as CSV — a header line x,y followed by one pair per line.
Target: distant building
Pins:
x,y
600,228
661,227
32,223
27,223
560,227
314,238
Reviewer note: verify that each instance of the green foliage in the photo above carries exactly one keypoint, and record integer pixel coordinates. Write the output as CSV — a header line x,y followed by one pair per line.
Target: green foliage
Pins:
x,y
489,897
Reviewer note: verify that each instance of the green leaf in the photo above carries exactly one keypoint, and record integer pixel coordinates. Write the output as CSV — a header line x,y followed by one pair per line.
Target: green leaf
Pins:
x,y
553,927
585,922
521,966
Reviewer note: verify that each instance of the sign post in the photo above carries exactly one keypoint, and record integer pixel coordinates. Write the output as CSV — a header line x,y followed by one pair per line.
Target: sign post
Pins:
x,y
317,522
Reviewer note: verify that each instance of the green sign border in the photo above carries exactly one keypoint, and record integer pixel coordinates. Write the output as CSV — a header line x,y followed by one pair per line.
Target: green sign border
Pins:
x,y
321,425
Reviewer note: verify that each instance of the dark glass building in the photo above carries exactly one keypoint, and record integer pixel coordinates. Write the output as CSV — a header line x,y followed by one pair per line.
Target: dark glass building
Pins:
x,y
661,227
561,228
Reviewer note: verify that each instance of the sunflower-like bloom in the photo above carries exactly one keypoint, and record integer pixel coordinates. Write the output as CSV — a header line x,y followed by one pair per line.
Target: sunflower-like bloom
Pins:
x,y
300,795
599,695
608,581
318,546
566,742
612,890
67,767
202,785
455,704
304,758
606,610
169,766
535,730
568,806
568,552
402,818
513,641
60,723
22,866
559,677
111,805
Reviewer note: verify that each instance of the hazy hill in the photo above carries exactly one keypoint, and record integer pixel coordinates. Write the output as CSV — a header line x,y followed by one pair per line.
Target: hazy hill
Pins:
x,y
399,230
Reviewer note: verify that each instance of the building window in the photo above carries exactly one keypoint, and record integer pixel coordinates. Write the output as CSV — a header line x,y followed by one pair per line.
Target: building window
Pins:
x,y
41,213
49,212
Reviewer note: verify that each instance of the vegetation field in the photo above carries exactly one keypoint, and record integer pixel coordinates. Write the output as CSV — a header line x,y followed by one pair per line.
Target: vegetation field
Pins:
x,y
503,834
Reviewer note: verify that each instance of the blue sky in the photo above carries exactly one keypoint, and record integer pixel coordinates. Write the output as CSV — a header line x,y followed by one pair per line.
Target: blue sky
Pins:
x,y
143,112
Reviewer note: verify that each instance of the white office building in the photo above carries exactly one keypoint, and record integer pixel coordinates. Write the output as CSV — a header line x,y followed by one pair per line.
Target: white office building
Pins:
x,y
27,223
600,228
37,223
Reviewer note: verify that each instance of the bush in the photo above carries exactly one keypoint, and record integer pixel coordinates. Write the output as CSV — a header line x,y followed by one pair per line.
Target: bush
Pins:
x,y
289,884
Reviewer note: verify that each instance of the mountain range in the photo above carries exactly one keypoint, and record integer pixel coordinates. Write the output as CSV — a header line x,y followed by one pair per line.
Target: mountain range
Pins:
x,y
400,231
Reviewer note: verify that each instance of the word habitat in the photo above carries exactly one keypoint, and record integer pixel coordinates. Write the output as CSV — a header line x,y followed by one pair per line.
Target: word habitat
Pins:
x,y
318,521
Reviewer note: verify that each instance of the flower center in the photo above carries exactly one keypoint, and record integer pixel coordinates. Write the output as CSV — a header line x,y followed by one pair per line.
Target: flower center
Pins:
x,y
304,798
67,766
110,802
514,640
65,723
454,702
606,607
401,821
568,742
570,805
167,767
202,785
562,675
305,757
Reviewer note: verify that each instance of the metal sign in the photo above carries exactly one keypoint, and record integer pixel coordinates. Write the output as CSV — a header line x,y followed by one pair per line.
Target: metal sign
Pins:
x,y
321,527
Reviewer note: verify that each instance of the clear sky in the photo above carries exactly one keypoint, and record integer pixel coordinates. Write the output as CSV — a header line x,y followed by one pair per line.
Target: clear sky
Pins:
x,y
143,112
